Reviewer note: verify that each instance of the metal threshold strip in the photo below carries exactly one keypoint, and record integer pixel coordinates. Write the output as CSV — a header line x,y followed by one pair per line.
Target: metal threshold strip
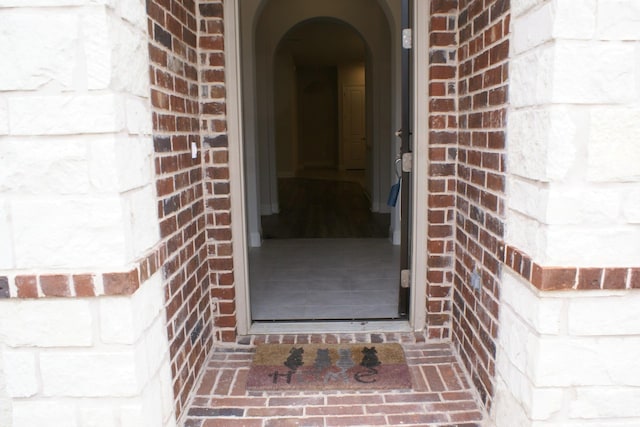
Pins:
x,y
330,327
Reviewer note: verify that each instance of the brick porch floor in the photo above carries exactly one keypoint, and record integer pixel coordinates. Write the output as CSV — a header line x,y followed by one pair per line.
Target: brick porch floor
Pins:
x,y
441,394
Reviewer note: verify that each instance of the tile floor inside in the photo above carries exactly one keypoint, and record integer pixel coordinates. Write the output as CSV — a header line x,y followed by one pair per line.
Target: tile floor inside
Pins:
x,y
441,395
324,279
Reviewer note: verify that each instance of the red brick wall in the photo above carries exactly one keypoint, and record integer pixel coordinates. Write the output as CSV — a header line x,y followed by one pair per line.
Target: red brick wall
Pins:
x,y
443,136
216,162
179,181
483,27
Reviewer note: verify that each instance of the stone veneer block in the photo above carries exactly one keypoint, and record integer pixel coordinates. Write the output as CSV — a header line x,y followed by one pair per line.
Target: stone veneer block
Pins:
x,y
4,117
124,319
587,246
66,114
613,150
96,47
134,155
525,301
619,20
577,204
50,3
529,88
539,29
574,20
50,38
605,402
6,248
603,361
520,7
98,416
613,315
130,58
142,230
56,232
583,70
90,373
631,206
57,166
21,373
542,142
46,323
28,413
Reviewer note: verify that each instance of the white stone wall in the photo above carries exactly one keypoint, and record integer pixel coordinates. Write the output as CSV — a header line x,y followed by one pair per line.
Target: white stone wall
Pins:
x,y
76,166
567,358
570,358
574,132
97,362
77,195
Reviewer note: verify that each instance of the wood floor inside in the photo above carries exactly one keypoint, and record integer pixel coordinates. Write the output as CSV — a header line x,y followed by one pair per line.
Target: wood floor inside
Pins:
x,y
323,208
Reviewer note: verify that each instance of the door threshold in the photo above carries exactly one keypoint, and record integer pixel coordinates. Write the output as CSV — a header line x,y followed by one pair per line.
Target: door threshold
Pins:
x,y
276,327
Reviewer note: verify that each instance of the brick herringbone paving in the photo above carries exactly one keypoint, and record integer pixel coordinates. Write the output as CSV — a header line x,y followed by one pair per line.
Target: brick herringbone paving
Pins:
x,y
441,394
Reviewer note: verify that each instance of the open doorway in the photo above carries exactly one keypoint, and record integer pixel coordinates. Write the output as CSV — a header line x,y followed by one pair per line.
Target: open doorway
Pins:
x,y
321,245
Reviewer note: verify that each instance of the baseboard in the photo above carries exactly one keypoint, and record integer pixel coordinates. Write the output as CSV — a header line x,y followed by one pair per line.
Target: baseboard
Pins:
x,y
255,240
396,237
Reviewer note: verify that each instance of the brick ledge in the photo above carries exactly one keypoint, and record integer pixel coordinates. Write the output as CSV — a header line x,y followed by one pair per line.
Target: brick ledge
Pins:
x,y
84,284
571,278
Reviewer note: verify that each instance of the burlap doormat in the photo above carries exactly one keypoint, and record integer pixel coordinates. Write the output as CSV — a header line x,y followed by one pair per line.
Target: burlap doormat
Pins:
x,y
329,367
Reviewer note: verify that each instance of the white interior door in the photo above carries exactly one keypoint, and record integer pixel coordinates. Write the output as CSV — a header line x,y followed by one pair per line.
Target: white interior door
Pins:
x,y
353,130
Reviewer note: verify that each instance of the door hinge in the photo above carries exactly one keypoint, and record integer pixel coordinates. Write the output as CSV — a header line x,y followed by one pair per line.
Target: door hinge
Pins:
x,y
407,162
405,278
407,38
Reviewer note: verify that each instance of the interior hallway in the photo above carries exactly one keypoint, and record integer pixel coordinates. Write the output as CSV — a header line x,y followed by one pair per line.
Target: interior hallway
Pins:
x,y
441,395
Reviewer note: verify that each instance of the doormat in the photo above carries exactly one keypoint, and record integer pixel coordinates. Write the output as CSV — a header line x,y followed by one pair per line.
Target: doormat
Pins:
x,y
284,367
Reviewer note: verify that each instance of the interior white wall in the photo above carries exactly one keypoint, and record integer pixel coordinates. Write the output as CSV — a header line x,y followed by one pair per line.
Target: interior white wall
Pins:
x,y
258,69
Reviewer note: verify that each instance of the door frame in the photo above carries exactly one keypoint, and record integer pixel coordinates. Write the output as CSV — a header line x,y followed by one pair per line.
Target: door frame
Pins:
x,y
418,302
